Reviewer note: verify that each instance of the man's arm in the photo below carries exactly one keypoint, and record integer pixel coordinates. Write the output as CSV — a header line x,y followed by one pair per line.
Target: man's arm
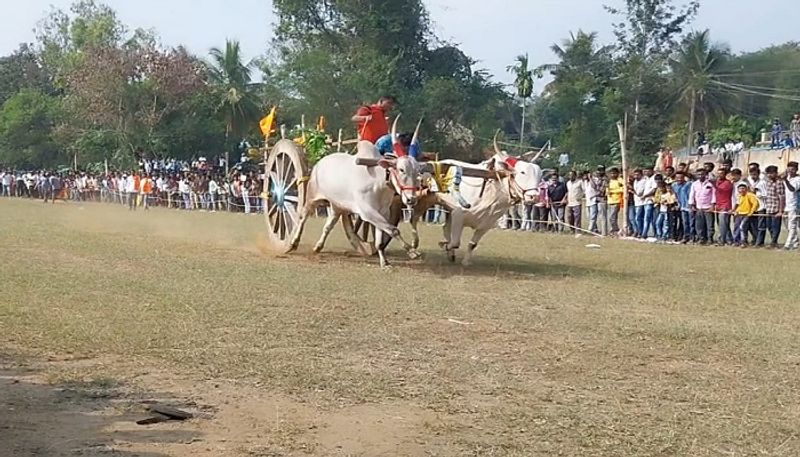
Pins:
x,y
788,183
362,115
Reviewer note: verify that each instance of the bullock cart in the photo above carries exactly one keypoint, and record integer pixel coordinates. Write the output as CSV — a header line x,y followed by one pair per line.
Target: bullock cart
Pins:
x,y
286,175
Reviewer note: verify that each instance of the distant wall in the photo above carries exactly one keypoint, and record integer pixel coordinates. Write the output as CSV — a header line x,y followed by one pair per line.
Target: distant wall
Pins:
x,y
764,157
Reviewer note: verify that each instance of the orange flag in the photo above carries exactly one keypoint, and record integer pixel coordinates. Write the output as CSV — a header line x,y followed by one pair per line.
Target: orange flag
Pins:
x,y
267,124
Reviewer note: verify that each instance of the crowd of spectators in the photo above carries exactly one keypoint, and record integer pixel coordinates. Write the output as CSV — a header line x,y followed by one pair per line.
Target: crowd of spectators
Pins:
x,y
713,204
196,185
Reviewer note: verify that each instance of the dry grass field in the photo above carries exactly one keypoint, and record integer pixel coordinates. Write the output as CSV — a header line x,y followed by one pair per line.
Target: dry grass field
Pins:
x,y
543,348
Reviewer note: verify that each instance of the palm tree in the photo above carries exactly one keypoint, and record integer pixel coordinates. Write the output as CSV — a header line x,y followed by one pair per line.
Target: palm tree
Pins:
x,y
579,54
523,81
232,80
694,67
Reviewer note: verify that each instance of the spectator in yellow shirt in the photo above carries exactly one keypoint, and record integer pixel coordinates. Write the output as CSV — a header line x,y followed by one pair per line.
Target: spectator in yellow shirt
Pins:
x,y
746,205
615,192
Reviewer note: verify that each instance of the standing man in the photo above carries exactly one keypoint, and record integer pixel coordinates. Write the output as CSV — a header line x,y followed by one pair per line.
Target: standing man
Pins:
x,y
595,192
615,192
563,160
702,199
791,182
56,185
795,128
725,194
145,189
774,202
757,223
642,217
371,120
132,189
557,196
575,194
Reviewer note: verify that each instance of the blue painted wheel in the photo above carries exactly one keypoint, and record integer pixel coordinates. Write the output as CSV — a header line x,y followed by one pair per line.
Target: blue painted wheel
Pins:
x,y
286,172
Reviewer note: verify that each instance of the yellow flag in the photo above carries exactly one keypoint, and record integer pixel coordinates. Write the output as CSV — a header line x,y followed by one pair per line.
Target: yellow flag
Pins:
x,y
321,124
268,123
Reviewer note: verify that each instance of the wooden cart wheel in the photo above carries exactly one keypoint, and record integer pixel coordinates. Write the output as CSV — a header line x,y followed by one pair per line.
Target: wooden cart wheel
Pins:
x,y
285,187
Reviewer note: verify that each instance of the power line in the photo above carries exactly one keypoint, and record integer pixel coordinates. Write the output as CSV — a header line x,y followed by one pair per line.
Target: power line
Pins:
x,y
746,90
771,89
758,73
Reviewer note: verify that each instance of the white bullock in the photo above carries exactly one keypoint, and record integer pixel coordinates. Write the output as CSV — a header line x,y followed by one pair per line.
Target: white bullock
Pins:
x,y
489,200
367,192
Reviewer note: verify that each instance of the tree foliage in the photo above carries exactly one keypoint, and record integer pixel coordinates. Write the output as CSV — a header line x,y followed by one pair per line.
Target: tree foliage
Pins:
x,y
95,88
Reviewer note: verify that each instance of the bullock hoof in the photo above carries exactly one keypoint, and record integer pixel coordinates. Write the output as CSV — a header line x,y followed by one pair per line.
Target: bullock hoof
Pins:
x,y
413,254
292,248
443,244
317,249
451,256
466,262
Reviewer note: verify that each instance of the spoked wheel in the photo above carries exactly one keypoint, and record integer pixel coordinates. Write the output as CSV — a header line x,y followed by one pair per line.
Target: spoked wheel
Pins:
x,y
286,175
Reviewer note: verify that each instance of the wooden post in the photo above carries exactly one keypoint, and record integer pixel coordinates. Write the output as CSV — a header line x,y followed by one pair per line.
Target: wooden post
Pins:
x,y
339,143
303,127
622,130
283,131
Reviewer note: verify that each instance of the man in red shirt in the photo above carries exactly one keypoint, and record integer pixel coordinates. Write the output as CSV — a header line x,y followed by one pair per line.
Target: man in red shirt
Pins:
x,y
725,196
371,120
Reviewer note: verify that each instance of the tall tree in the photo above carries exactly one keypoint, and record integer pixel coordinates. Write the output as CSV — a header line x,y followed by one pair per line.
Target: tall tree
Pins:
x,y
523,82
694,67
331,56
26,125
231,78
647,33
576,104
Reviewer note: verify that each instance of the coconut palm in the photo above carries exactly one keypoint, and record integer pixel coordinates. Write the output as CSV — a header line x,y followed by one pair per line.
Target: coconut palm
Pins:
x,y
579,55
694,67
239,105
523,82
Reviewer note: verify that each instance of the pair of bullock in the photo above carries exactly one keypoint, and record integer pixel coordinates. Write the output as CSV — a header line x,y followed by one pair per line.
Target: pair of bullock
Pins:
x,y
368,192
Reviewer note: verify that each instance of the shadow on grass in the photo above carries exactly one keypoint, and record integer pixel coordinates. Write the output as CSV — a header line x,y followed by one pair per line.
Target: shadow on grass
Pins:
x,y
434,262
484,266
75,418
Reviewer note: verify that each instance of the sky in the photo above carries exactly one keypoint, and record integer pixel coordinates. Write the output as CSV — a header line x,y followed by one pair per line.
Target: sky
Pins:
x,y
492,32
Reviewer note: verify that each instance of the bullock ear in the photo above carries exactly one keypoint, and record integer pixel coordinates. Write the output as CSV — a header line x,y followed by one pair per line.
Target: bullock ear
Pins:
x,y
491,164
384,163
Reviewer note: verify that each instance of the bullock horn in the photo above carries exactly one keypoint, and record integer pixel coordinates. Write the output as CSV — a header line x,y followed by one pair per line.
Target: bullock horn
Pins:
x,y
415,138
396,146
494,142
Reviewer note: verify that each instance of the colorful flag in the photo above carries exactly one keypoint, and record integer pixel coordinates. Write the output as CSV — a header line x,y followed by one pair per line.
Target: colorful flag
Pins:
x,y
268,123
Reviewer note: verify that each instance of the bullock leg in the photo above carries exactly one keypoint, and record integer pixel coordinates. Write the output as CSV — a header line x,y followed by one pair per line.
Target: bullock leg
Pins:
x,y
380,223
381,246
359,245
453,227
333,218
304,212
476,238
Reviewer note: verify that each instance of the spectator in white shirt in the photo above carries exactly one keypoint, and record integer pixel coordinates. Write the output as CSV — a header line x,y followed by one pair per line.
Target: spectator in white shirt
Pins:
x,y
791,183
213,191
575,194
643,190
